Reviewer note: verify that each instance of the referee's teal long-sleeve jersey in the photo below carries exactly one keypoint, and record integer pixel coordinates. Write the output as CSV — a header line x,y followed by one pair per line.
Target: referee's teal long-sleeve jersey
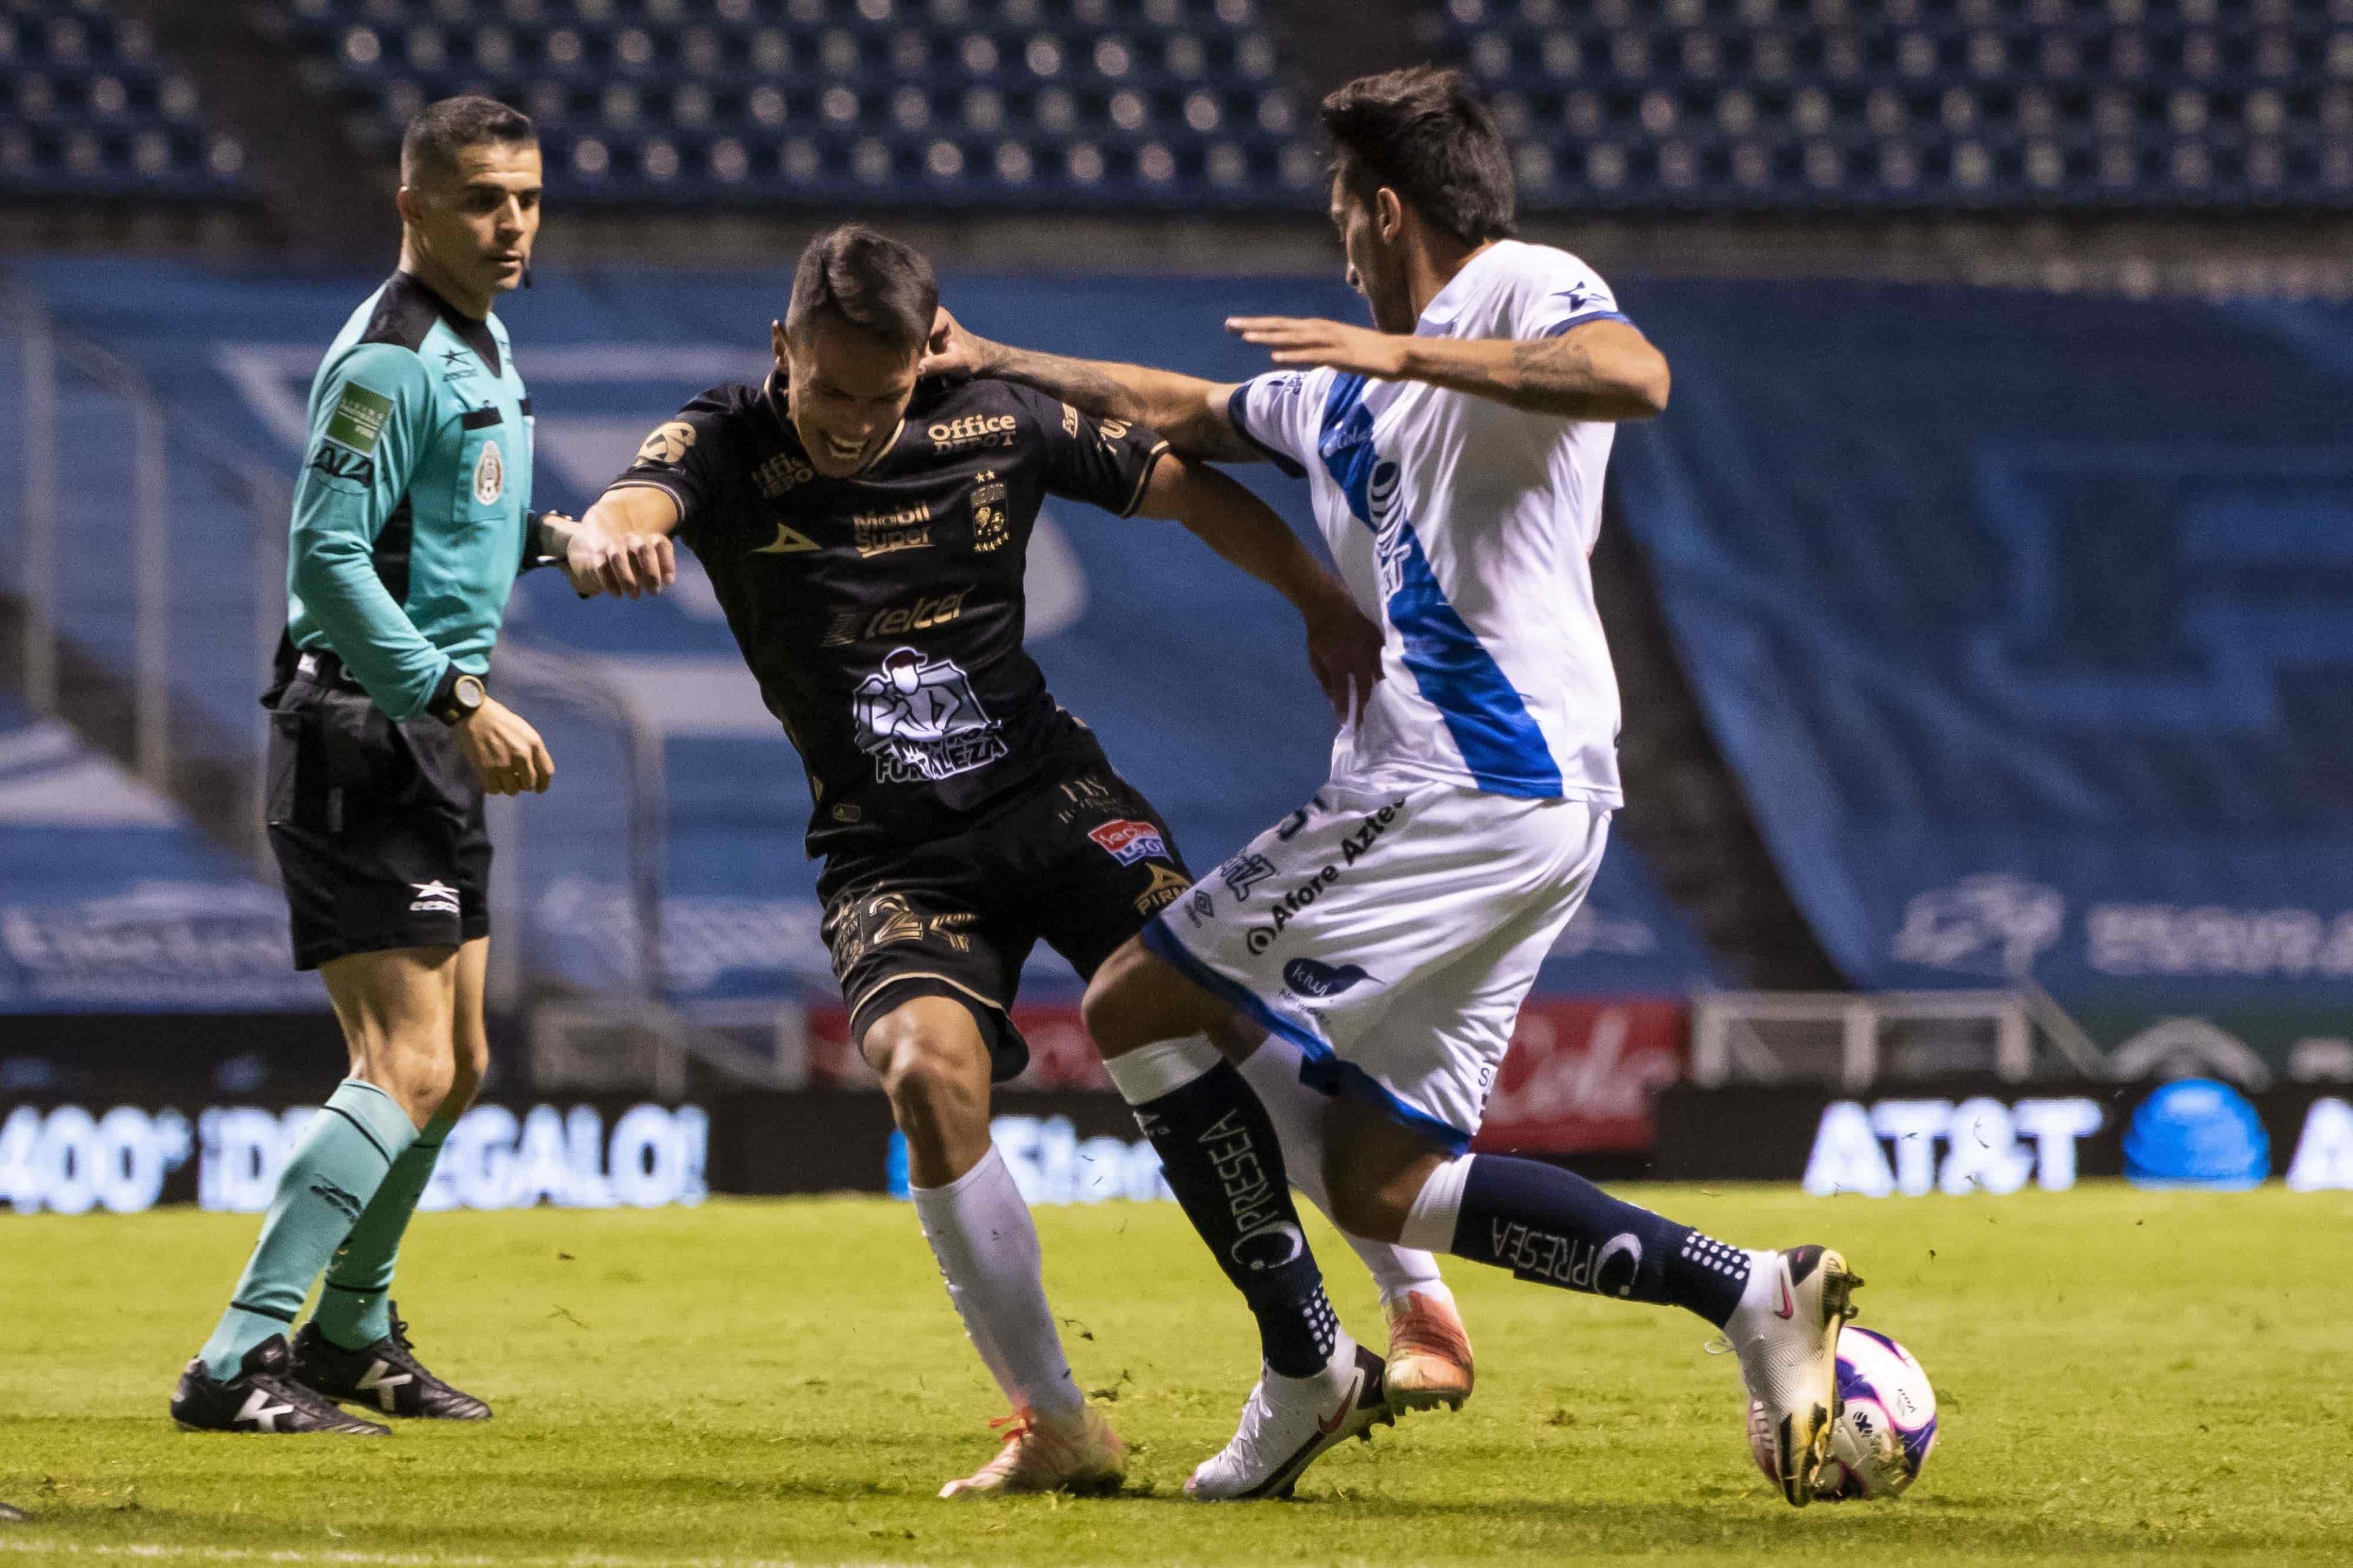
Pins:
x,y
410,517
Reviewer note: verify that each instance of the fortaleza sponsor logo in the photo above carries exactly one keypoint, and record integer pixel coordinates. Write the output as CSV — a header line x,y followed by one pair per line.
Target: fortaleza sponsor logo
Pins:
x,y
1128,841
856,626
1353,848
973,430
882,532
920,720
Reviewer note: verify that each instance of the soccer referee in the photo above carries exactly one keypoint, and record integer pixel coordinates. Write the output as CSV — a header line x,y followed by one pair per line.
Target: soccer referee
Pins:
x,y
411,521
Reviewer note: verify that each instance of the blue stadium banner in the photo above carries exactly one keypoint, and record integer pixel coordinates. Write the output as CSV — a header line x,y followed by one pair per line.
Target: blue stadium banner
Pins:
x,y
2027,621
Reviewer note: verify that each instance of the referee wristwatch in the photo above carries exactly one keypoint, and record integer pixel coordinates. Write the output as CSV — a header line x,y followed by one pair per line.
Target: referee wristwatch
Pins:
x,y
458,697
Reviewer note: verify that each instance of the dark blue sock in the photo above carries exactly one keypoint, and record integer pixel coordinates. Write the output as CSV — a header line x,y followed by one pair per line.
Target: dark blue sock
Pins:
x,y
1544,1223
1218,1152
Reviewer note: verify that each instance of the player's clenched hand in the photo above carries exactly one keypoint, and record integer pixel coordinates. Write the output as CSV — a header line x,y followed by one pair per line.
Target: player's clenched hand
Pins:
x,y
506,753
1344,649
1302,340
627,564
955,350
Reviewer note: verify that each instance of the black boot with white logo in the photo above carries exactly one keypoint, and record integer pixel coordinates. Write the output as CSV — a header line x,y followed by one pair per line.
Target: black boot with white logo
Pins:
x,y
386,1376
262,1397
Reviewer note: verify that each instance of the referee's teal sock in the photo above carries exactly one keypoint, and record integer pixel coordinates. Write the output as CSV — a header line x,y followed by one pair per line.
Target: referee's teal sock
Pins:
x,y
341,1161
354,1308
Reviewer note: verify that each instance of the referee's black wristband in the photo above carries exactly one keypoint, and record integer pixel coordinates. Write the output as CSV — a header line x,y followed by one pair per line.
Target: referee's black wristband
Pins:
x,y
538,549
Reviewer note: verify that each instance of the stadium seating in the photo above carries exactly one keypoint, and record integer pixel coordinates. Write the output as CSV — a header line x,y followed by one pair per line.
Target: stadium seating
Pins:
x,y
1916,104
1018,103
87,109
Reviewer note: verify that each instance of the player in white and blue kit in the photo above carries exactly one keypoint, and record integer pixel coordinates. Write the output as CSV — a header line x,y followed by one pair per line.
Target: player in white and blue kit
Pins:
x,y
1389,930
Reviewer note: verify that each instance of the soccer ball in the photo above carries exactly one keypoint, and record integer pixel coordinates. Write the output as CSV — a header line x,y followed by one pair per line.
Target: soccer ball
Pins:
x,y
1884,1434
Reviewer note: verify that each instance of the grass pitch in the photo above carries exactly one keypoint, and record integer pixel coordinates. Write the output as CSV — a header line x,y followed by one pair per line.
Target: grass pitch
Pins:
x,y
2123,1375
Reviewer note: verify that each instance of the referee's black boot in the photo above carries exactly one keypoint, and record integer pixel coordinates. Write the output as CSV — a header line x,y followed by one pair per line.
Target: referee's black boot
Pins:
x,y
386,1375
262,1397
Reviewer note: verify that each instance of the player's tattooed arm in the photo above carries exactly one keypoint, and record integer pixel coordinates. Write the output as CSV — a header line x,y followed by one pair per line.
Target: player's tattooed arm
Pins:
x,y
1344,649
1188,412
1601,370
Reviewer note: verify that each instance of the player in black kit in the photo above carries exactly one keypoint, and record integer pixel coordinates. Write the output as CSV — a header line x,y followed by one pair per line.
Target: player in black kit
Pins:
x,y
866,533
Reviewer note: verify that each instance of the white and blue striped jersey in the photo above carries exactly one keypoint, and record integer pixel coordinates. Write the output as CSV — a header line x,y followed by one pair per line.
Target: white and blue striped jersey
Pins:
x,y
1463,526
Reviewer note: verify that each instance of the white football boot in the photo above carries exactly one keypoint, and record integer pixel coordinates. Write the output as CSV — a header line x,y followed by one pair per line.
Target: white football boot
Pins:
x,y
1083,1457
1786,1332
1289,1422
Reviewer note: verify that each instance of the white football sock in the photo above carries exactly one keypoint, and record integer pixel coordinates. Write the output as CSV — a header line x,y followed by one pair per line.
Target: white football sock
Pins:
x,y
1758,1296
1438,1207
1163,1067
981,1233
1297,1112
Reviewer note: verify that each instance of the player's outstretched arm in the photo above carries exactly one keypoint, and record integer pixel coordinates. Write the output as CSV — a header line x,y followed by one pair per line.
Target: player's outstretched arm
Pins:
x,y
1188,412
1343,647
623,546
1600,371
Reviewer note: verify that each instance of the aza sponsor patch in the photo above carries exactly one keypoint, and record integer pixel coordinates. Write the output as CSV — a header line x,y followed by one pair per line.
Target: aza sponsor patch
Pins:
x,y
351,469
1128,841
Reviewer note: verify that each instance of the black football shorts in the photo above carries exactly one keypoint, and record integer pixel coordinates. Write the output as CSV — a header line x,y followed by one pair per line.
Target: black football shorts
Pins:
x,y
1078,860
377,827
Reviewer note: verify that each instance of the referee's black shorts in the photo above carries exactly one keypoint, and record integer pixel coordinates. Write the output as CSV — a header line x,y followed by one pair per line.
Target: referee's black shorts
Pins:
x,y
377,827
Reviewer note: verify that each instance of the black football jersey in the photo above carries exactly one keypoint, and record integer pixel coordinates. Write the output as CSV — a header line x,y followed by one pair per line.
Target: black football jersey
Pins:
x,y
882,614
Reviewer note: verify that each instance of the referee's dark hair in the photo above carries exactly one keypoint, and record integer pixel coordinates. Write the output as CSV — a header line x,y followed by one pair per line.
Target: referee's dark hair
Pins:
x,y
444,128
867,280
1424,133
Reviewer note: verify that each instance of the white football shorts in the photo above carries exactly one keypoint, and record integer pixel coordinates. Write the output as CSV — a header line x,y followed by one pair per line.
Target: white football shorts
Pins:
x,y
1392,935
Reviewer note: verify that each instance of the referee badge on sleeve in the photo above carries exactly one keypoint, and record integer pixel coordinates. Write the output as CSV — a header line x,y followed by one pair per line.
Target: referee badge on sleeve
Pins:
x,y
359,418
